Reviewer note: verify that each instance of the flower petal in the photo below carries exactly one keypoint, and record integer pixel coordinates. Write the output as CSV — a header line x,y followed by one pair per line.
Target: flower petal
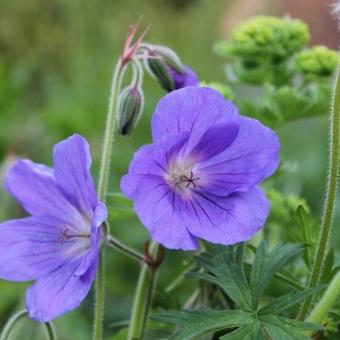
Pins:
x,y
152,159
59,292
30,247
192,110
214,141
227,220
33,185
100,216
252,157
72,163
156,206
186,78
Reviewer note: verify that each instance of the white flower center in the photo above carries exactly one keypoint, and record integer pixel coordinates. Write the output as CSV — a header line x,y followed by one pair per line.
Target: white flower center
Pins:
x,y
182,176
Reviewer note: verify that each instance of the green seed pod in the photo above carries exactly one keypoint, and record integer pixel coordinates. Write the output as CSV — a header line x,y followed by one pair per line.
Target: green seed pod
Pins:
x,y
159,69
129,109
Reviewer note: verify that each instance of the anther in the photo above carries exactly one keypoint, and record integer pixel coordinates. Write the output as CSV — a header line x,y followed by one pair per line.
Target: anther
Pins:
x,y
189,180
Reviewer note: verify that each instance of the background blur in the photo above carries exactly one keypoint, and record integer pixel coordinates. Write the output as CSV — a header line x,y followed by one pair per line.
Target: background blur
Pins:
x,y
56,61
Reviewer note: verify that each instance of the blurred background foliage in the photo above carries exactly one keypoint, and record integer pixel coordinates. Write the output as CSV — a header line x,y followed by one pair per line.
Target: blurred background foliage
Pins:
x,y
56,61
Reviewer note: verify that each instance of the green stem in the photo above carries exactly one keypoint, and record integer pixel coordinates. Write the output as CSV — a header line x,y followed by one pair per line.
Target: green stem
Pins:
x,y
50,333
143,297
331,190
102,189
109,135
118,245
331,295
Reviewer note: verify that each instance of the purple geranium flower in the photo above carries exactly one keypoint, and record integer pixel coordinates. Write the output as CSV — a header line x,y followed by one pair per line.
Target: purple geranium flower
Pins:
x,y
199,179
187,78
58,245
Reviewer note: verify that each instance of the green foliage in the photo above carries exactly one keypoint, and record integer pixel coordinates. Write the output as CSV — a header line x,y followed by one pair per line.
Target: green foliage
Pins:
x,y
264,37
224,267
318,61
286,82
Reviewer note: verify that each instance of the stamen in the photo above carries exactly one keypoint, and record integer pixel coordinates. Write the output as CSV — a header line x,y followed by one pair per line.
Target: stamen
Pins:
x,y
189,180
64,236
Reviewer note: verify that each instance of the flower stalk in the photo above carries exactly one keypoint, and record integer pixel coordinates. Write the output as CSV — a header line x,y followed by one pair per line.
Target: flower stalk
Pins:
x,y
331,295
6,332
102,189
123,248
144,293
331,191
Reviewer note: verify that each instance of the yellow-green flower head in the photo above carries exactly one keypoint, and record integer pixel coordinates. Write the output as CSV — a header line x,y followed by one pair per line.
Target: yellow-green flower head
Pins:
x,y
318,61
225,90
267,37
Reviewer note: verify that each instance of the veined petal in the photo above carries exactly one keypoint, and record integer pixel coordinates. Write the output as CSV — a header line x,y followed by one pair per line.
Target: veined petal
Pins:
x,y
100,216
59,292
193,110
152,159
214,141
33,185
31,247
227,220
252,157
72,163
157,207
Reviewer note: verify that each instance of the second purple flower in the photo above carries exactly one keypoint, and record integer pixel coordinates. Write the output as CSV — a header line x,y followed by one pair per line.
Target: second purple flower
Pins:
x,y
199,179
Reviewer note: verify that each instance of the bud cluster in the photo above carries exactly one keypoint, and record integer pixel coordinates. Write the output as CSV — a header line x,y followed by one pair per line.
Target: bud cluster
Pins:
x,y
161,63
318,61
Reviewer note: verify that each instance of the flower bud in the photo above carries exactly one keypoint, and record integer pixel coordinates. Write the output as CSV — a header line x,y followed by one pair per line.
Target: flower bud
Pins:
x,y
130,108
159,69
169,57
272,38
318,61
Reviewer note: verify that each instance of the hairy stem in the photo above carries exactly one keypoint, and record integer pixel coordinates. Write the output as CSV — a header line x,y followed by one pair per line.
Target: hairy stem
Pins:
x,y
143,297
331,295
331,190
118,245
102,189
5,334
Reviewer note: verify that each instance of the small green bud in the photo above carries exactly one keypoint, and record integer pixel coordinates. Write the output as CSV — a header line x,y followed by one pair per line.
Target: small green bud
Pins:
x,y
225,90
318,61
266,37
129,109
159,69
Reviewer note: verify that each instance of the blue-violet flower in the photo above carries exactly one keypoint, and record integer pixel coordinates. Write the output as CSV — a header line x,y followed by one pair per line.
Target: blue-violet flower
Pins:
x,y
58,245
199,179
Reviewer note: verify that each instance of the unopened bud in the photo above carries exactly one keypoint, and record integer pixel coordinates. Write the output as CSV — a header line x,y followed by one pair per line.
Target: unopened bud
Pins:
x,y
318,61
130,108
159,69
169,57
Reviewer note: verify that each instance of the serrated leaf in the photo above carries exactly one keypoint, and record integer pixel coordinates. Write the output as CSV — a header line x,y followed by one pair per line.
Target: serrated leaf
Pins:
x,y
224,267
304,234
198,323
283,328
288,300
265,265
247,332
